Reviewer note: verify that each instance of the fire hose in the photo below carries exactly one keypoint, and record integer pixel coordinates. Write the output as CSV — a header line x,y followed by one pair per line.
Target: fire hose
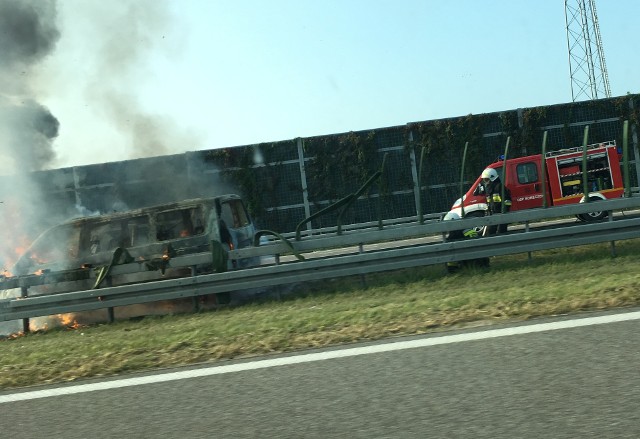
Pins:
x,y
120,256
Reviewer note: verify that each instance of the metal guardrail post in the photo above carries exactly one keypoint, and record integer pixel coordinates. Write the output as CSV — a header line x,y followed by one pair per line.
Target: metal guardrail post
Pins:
x,y
25,322
110,311
363,277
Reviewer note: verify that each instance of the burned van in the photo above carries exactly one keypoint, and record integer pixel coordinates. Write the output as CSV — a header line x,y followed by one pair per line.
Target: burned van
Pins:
x,y
156,233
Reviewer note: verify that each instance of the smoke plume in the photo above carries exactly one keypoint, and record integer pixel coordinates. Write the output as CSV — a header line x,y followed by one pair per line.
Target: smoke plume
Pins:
x,y
126,37
28,33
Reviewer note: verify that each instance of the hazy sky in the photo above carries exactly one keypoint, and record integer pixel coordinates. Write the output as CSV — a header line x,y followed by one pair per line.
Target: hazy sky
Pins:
x,y
139,78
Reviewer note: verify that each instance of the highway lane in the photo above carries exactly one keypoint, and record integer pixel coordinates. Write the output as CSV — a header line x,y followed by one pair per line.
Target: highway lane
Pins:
x,y
507,381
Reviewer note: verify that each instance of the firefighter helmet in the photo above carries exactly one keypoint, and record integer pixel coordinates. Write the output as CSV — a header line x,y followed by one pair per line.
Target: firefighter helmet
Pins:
x,y
490,174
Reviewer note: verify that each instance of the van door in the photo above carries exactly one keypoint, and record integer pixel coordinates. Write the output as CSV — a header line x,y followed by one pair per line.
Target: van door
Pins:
x,y
241,230
237,220
525,184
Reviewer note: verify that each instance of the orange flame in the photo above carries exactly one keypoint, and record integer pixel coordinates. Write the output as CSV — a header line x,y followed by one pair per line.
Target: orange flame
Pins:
x,y
34,326
68,321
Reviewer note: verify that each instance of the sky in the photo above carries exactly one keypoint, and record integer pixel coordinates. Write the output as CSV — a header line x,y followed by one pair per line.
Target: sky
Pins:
x,y
140,78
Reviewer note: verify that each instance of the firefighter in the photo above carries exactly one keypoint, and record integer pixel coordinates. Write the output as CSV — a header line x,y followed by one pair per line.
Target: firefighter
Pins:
x,y
493,191
457,235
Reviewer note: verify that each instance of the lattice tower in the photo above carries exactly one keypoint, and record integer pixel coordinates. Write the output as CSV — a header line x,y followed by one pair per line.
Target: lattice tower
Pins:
x,y
587,67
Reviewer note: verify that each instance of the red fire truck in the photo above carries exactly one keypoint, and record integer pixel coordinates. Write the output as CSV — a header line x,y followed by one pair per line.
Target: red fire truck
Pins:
x,y
563,178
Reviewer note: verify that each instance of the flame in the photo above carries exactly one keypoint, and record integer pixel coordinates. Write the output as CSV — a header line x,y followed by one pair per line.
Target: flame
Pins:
x,y
68,321
13,235
59,320
35,326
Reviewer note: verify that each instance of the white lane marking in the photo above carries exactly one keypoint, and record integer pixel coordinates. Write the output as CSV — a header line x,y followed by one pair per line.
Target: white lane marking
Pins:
x,y
320,356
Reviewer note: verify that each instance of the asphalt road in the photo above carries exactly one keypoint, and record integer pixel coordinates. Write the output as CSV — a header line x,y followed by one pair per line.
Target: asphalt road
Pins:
x,y
581,382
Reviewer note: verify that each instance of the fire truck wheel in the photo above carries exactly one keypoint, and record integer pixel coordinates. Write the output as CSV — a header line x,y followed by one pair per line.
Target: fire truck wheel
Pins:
x,y
593,216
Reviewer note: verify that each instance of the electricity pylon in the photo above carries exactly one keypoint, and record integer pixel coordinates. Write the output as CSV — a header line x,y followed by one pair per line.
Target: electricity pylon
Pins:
x,y
587,68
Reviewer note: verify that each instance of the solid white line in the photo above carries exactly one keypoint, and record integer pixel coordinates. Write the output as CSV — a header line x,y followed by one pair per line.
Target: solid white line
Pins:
x,y
320,356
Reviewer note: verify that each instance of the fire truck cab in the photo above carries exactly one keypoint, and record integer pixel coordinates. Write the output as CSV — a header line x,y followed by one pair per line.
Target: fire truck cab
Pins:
x,y
562,179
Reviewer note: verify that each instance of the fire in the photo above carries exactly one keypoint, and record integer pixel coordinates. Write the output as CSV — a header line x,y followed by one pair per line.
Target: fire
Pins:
x,y
36,326
14,236
68,321
45,323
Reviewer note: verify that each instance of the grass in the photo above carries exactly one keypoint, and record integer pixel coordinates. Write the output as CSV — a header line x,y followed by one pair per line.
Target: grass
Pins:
x,y
405,302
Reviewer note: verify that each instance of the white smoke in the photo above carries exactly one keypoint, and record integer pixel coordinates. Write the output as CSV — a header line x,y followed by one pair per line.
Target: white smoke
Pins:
x,y
124,38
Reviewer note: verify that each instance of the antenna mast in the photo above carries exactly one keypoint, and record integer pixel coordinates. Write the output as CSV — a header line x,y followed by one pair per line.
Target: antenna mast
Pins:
x,y
587,68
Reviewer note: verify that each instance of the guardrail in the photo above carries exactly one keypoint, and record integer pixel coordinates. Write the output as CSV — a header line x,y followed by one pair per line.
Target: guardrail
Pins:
x,y
434,252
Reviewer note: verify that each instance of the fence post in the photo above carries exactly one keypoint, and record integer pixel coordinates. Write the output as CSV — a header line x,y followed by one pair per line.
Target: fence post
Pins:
x,y
543,169
414,175
303,181
625,158
464,159
585,183
504,172
423,152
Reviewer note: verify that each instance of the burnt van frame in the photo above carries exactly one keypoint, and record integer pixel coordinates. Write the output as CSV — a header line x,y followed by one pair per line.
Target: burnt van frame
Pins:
x,y
150,233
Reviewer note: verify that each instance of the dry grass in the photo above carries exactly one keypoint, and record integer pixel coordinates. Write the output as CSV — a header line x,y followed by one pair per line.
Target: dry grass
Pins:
x,y
329,313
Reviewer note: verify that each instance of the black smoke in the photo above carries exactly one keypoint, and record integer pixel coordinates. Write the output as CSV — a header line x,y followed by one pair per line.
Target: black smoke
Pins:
x,y
28,129
28,33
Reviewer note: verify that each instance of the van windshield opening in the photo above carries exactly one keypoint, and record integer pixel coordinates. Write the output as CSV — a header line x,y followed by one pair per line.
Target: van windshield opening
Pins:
x,y
234,214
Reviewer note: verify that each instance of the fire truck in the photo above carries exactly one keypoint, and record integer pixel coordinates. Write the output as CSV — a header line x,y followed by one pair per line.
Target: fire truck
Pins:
x,y
562,179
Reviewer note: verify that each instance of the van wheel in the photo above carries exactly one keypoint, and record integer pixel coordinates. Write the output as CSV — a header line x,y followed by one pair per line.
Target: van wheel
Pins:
x,y
476,214
593,216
